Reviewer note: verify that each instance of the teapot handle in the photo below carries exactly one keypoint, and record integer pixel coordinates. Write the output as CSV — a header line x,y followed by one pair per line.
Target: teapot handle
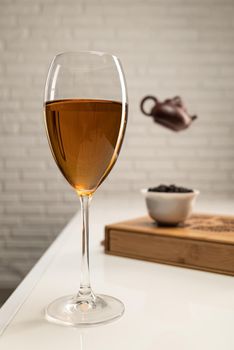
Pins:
x,y
143,101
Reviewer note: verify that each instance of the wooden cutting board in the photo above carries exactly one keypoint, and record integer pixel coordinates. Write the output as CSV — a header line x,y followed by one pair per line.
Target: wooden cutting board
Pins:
x,y
204,242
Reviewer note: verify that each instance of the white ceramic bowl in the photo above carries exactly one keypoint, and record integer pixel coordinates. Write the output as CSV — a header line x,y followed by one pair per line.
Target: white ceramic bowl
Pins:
x,y
169,208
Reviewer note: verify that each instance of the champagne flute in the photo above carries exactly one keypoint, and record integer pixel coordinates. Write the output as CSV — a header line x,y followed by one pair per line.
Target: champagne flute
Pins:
x,y
85,108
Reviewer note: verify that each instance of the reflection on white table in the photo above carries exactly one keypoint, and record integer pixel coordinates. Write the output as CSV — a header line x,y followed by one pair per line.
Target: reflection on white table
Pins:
x,y
166,307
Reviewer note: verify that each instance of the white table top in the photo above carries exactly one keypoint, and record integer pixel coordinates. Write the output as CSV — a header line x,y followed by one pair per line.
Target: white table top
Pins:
x,y
166,307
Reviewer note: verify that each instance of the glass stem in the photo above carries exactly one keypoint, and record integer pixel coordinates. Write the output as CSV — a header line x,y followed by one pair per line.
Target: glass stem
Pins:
x,y
85,291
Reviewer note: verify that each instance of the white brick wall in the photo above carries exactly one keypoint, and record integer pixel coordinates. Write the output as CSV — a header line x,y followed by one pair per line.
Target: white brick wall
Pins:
x,y
167,47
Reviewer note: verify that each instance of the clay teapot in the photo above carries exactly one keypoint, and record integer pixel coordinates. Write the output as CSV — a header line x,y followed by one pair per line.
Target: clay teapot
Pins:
x,y
170,113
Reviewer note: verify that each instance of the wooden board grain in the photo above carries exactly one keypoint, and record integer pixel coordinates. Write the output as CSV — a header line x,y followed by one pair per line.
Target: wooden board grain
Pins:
x,y
205,242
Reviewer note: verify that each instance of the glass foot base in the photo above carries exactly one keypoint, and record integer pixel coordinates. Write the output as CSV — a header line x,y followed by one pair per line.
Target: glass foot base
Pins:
x,y
74,311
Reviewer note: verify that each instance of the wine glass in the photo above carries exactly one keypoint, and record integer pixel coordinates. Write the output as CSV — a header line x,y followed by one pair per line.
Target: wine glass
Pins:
x,y
85,108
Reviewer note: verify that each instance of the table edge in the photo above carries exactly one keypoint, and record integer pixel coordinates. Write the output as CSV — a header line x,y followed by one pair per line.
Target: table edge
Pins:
x,y
13,304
